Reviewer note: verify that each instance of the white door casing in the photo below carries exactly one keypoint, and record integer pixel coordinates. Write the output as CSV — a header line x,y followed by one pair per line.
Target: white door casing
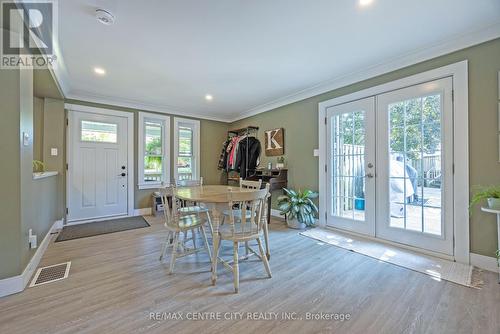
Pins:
x,y
458,73
100,172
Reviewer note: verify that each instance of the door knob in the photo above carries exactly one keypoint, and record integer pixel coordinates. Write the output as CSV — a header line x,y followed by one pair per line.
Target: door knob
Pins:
x,y
369,175
370,165
122,174
123,167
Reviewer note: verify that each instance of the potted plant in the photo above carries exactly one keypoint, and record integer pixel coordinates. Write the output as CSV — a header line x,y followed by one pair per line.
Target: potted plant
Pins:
x,y
490,194
38,166
298,207
280,163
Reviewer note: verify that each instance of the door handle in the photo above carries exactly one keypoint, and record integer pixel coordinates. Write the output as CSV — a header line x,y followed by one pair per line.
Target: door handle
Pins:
x,y
369,175
122,174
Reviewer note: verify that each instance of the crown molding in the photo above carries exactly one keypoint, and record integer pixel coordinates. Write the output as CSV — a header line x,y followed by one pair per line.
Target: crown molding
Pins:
x,y
417,56
139,105
432,51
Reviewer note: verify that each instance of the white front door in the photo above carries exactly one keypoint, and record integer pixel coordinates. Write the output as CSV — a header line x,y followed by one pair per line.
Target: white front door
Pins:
x,y
98,169
351,166
415,166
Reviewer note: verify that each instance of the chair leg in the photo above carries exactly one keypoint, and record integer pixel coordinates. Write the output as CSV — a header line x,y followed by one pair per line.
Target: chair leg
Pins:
x,y
236,269
174,252
264,258
193,233
246,248
207,247
266,239
165,246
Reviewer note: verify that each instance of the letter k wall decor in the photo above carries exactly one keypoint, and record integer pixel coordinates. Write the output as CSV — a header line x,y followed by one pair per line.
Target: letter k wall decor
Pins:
x,y
275,142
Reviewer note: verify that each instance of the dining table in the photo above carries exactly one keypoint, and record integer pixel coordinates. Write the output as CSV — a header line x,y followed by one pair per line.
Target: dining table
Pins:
x,y
216,198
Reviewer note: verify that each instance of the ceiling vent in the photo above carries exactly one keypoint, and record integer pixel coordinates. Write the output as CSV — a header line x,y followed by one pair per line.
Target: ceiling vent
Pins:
x,y
104,17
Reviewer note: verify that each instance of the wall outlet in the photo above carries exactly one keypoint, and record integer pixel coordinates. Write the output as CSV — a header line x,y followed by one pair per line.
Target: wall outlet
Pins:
x,y
53,152
32,239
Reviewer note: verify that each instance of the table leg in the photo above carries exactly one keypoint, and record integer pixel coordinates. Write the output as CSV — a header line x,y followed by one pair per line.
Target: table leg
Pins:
x,y
215,242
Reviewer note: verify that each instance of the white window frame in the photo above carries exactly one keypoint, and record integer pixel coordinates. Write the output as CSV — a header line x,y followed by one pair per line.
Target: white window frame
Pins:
x,y
195,126
165,120
459,73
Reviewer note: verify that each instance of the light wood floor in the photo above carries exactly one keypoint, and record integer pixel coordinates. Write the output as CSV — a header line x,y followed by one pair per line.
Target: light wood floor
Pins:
x,y
116,280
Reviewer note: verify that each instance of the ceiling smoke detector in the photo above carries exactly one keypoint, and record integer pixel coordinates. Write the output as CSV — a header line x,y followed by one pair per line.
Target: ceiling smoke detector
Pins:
x,y
104,17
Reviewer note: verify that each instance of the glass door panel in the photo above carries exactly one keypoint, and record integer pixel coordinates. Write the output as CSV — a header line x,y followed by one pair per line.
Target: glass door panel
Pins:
x,y
351,188
414,146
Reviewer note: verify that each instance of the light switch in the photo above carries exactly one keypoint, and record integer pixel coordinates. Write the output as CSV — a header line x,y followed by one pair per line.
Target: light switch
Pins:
x,y
53,152
316,152
26,139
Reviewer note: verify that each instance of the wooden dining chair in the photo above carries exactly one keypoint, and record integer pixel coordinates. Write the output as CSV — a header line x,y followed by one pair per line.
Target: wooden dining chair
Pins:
x,y
237,212
252,205
177,223
188,208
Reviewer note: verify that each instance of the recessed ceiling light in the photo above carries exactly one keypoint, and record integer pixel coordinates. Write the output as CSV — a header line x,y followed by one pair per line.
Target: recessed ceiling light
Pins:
x,y
209,97
364,3
99,71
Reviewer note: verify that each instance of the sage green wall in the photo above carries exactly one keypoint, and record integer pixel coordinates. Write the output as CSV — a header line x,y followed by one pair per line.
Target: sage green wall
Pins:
x,y
54,133
300,121
10,191
38,128
26,203
212,135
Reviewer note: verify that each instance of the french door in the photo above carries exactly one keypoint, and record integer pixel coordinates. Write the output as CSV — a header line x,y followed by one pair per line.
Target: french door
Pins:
x,y
351,166
391,165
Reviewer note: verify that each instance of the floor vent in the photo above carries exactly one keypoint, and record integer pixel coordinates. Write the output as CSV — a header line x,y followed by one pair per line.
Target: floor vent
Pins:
x,y
51,274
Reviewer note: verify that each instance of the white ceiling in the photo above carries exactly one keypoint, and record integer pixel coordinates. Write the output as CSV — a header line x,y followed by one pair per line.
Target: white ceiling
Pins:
x,y
252,55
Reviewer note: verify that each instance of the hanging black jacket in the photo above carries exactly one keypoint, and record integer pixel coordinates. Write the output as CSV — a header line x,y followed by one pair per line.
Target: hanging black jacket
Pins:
x,y
253,155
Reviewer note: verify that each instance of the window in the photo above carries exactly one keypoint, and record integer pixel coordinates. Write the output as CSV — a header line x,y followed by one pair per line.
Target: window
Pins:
x,y
154,143
186,149
99,132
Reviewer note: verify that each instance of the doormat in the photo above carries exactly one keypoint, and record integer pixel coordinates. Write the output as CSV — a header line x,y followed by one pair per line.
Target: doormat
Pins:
x,y
101,227
437,268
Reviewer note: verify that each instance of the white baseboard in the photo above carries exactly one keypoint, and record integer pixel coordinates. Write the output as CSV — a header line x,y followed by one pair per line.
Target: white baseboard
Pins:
x,y
18,283
484,262
143,212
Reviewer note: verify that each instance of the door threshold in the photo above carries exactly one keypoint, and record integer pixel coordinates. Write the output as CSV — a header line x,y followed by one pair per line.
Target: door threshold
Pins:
x,y
392,243
95,220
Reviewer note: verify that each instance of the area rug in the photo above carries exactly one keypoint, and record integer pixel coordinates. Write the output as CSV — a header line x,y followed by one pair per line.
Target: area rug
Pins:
x,y
101,227
439,269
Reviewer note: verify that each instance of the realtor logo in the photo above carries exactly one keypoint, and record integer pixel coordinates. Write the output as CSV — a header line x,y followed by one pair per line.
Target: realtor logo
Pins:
x,y
28,35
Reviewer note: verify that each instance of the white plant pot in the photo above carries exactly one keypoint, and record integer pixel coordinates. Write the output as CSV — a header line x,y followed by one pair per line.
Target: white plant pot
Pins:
x,y
295,224
280,165
494,203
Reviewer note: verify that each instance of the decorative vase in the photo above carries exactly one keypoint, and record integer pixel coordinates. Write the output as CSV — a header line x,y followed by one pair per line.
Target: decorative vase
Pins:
x,y
494,203
295,224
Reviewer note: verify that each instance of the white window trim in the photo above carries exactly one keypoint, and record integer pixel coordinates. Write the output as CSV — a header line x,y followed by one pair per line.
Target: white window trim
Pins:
x,y
143,116
196,144
459,73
